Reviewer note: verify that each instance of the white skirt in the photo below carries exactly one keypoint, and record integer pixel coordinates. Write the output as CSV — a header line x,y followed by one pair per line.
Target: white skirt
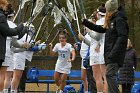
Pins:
x,y
96,57
62,69
19,62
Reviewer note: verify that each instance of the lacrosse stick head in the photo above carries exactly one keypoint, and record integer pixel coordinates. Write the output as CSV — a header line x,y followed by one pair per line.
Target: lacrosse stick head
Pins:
x,y
31,28
47,8
23,3
38,7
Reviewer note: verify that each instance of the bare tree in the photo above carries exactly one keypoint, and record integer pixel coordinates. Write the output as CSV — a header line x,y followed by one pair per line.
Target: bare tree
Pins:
x,y
121,3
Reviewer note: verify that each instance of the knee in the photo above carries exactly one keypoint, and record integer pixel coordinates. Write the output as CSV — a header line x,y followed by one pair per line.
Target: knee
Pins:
x,y
62,81
17,76
97,77
2,77
56,80
83,79
7,79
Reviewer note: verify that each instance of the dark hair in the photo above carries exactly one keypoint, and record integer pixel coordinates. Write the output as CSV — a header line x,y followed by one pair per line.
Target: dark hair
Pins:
x,y
102,8
63,32
94,15
10,11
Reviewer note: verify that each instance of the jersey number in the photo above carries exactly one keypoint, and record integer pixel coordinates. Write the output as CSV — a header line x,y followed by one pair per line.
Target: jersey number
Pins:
x,y
63,55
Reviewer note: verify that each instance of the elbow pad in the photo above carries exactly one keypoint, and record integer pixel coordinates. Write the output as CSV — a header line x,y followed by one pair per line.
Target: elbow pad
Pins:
x,y
15,43
95,35
17,50
86,41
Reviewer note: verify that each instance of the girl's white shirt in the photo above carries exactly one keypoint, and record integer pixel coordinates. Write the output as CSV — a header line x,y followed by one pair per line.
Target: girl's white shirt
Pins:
x,y
84,47
63,55
9,39
26,54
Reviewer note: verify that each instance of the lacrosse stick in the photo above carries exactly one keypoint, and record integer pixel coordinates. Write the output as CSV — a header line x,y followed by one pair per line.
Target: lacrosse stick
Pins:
x,y
55,36
56,23
71,9
49,7
81,7
76,16
49,34
21,6
36,11
69,26
67,22
58,5
26,12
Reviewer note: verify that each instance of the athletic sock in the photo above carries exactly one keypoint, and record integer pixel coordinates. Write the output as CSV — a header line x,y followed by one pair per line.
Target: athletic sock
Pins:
x,y
60,91
86,91
5,90
13,91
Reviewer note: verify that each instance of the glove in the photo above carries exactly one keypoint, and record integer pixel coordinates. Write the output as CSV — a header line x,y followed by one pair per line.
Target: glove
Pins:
x,y
39,47
42,46
22,30
86,63
34,48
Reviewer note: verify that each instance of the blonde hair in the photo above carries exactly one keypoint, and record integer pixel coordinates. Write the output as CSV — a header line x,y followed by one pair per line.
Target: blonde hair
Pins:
x,y
107,19
3,4
129,44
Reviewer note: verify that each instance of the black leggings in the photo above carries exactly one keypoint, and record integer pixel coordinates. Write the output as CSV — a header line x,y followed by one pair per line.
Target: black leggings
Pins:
x,y
126,88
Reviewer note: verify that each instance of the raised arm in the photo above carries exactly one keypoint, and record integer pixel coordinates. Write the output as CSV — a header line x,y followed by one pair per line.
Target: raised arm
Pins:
x,y
96,28
7,31
84,39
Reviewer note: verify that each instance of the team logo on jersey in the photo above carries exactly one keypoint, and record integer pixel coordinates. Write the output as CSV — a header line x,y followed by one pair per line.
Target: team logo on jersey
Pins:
x,y
112,25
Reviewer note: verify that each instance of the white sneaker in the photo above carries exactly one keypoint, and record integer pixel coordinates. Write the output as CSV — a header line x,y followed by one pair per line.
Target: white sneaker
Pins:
x,y
57,91
5,90
60,91
13,91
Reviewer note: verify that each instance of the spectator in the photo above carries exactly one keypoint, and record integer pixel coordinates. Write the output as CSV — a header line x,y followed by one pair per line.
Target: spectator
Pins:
x,y
126,73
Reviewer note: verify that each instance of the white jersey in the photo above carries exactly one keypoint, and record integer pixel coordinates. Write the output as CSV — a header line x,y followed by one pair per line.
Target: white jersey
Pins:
x,y
63,55
9,54
9,39
20,57
84,47
97,58
26,54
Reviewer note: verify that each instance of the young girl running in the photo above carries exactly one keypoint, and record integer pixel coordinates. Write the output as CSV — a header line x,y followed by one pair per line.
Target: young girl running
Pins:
x,y
63,65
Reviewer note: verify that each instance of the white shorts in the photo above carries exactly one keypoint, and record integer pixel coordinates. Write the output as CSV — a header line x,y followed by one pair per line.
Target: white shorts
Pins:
x,y
62,70
96,57
8,60
10,68
19,62
82,64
